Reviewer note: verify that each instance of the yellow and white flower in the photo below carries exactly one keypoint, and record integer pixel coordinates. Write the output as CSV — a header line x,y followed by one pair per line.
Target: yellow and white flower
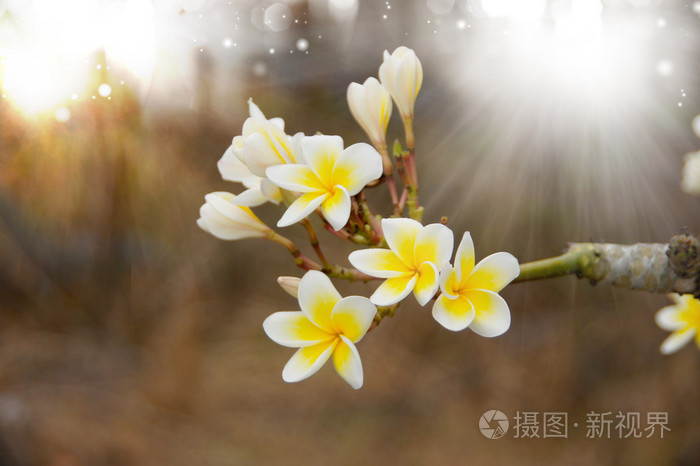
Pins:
x,y
470,293
327,326
683,319
370,105
401,74
412,263
223,218
262,144
331,176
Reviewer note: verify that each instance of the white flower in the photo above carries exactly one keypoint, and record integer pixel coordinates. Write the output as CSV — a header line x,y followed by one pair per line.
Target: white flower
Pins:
x,y
225,219
412,263
683,319
370,105
328,180
263,143
402,75
691,174
327,325
470,293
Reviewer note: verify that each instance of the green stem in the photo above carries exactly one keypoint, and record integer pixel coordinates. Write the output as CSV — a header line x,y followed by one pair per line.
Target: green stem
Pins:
x,y
415,210
573,260
672,267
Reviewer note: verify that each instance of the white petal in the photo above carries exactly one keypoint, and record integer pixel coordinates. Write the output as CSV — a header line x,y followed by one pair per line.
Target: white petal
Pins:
x,y
232,169
427,284
492,314
336,208
301,208
453,314
278,122
321,153
296,150
251,198
677,340
222,227
225,204
308,360
254,110
379,101
356,96
382,263
386,77
317,298
669,318
400,235
393,290
494,272
464,259
294,329
226,220
271,191
347,363
407,81
352,317
356,167
261,150
299,178
434,244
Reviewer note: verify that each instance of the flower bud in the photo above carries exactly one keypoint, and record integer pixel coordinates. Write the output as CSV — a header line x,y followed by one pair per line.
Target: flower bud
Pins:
x,y
370,105
221,217
290,285
402,75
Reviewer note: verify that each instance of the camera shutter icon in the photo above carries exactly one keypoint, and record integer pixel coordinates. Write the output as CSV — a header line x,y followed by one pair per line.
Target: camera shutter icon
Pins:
x,y
493,424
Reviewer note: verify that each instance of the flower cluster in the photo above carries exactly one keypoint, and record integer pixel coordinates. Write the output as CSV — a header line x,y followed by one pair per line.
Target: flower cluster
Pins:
x,y
319,175
418,260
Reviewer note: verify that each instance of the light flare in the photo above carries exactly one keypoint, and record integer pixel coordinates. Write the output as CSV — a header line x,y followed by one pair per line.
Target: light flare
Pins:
x,y
47,55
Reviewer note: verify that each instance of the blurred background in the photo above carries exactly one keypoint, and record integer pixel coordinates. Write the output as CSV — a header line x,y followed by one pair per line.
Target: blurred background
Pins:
x,y
130,337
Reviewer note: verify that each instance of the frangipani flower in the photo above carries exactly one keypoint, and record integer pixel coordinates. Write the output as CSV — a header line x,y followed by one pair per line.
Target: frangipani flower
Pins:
x,y
370,105
470,294
402,75
327,325
691,174
683,319
225,219
416,255
262,145
328,180
263,142
260,190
